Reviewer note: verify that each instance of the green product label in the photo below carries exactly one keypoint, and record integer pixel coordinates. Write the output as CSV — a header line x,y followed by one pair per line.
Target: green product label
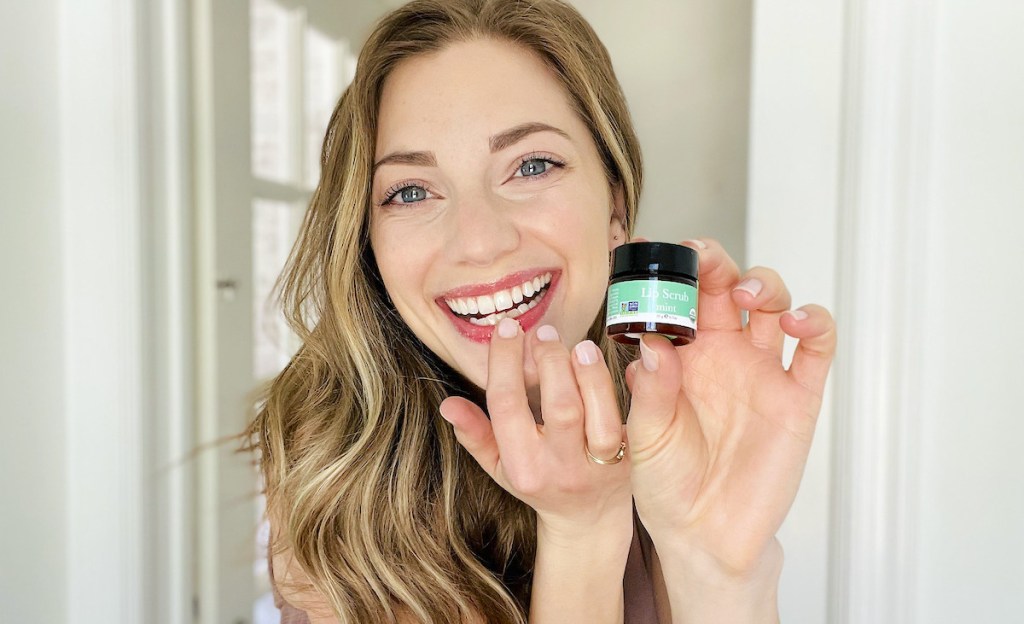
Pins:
x,y
652,301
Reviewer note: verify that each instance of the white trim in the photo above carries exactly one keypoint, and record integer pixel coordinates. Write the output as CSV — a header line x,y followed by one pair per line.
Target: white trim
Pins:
x,y
127,285
170,439
884,186
103,293
226,516
792,207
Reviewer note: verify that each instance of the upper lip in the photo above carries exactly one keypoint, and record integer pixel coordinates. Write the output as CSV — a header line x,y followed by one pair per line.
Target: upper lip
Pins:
x,y
510,280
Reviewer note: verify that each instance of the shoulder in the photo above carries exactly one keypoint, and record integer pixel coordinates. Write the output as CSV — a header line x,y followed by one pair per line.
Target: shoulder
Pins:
x,y
295,596
291,586
294,591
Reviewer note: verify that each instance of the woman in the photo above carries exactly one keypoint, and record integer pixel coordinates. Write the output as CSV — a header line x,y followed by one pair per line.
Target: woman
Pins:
x,y
484,148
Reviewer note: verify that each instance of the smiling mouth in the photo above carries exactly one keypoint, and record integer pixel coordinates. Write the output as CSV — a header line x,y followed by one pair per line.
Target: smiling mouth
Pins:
x,y
487,310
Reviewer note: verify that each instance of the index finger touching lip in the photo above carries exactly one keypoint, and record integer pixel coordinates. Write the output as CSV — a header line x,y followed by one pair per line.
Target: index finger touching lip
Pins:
x,y
507,404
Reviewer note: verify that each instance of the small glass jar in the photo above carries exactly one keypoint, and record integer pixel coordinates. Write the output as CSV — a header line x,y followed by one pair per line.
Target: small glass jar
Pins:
x,y
652,289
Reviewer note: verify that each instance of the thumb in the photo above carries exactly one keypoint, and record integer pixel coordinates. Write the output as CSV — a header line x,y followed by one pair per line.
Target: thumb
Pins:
x,y
656,384
472,430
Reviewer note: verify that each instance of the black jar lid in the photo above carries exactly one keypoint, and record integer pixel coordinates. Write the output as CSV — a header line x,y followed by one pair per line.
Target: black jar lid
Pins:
x,y
654,258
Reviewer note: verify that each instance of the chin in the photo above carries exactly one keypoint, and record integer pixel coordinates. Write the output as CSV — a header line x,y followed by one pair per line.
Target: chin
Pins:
x,y
477,372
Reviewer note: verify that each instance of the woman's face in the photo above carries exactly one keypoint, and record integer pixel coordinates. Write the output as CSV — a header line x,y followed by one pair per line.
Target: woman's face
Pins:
x,y
489,196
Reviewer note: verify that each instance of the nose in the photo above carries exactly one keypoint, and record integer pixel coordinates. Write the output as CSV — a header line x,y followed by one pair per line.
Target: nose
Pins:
x,y
481,230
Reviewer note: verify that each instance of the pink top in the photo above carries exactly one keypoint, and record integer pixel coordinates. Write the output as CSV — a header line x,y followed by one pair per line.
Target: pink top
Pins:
x,y
637,584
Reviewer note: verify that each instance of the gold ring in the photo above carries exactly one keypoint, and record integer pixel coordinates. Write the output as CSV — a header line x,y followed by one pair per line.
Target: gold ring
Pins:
x,y
607,462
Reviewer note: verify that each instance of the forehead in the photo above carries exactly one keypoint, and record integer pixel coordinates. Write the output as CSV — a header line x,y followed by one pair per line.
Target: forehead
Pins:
x,y
466,91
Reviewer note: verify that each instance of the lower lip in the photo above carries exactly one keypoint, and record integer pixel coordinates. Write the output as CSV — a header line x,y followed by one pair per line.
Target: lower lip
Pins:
x,y
482,333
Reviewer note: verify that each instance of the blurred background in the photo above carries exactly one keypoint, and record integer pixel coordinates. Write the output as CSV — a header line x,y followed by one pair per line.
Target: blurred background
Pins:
x,y
155,161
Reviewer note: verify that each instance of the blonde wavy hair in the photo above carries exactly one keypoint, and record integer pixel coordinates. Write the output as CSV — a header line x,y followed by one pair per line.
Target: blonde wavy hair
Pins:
x,y
374,498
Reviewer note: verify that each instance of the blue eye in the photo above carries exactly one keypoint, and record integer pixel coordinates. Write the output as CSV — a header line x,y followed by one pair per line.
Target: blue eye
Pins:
x,y
405,193
412,194
534,166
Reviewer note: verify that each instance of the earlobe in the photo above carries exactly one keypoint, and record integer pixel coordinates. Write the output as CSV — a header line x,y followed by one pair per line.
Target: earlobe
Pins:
x,y
616,229
616,233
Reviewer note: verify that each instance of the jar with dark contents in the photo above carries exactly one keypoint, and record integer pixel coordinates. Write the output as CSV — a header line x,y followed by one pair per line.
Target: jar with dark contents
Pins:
x,y
653,289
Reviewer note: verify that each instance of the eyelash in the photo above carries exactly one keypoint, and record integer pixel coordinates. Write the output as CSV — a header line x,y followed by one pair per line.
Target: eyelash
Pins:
x,y
395,189
548,158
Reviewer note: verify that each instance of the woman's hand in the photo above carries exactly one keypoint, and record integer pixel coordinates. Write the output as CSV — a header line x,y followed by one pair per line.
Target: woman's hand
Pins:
x,y
584,510
718,430
545,465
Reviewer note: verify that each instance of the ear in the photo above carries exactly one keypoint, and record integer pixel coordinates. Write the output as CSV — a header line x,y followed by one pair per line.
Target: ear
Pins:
x,y
616,230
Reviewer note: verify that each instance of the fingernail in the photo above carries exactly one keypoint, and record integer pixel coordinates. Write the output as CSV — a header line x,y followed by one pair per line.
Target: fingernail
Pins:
x,y
797,314
696,243
547,333
441,412
751,285
648,356
586,352
508,328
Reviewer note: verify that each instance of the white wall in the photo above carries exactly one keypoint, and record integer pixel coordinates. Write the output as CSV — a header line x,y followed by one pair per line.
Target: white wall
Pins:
x,y
887,178
791,227
685,69
32,488
970,554
74,370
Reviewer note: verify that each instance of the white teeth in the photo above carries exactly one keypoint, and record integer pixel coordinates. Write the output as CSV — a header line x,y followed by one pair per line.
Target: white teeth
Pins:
x,y
502,300
513,313
511,301
485,304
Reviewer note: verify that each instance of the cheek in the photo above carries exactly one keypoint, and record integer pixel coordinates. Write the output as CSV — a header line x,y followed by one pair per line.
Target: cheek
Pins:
x,y
398,266
579,232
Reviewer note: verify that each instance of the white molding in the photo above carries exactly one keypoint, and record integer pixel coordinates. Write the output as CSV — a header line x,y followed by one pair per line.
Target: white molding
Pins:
x,y
106,387
791,226
164,49
127,290
884,185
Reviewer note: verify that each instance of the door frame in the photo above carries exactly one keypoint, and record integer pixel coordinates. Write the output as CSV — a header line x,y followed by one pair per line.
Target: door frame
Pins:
x,y
125,202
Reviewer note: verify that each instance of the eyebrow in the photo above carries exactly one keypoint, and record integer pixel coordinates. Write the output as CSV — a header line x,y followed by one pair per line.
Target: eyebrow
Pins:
x,y
422,159
516,134
497,143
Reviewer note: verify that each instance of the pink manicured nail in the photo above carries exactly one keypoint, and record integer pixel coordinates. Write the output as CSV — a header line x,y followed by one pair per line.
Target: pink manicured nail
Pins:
x,y
797,314
648,356
751,285
547,333
508,328
586,352
441,411
696,243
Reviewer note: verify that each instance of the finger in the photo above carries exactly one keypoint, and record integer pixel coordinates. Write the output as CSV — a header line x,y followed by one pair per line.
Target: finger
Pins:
x,y
631,373
473,431
763,293
656,395
602,421
560,403
511,418
816,330
717,275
